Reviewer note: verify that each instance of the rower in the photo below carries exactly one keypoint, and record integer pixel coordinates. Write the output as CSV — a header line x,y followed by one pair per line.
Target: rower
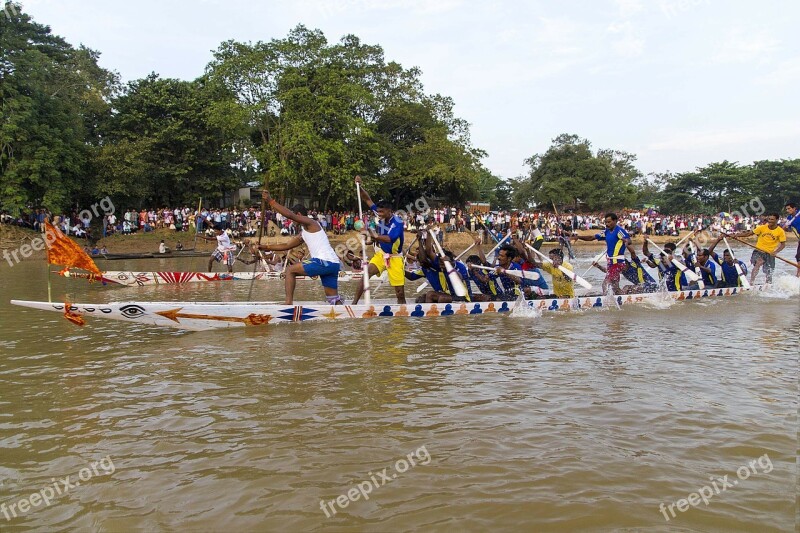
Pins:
x,y
484,280
323,262
389,238
224,250
771,240
635,273
793,224
428,271
508,285
563,286
729,277
617,239
667,271
531,288
710,271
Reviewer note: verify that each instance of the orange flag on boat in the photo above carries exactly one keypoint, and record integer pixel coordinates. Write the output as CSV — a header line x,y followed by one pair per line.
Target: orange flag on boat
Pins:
x,y
61,250
75,318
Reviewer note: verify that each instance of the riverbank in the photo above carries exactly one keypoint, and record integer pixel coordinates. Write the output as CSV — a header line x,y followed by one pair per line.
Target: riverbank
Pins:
x,y
12,238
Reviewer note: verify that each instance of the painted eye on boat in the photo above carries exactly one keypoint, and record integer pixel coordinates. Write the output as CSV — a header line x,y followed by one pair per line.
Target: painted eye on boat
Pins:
x,y
131,311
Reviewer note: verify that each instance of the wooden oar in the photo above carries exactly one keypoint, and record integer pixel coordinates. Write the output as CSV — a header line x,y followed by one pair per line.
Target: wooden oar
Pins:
x,y
260,234
561,238
424,285
365,277
742,277
498,245
533,276
564,270
700,283
597,259
691,276
197,223
734,237
452,274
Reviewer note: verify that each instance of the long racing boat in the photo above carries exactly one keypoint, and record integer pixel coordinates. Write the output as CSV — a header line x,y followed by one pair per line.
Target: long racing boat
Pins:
x,y
140,279
198,316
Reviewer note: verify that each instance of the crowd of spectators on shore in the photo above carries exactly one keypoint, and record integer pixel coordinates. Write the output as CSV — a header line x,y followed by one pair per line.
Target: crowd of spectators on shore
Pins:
x,y
245,222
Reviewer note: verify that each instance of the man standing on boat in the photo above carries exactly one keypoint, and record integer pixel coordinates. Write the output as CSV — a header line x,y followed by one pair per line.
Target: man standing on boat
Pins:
x,y
224,251
617,239
389,238
771,240
793,221
323,262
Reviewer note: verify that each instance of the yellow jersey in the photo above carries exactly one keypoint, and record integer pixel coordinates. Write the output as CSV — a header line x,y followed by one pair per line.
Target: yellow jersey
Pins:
x,y
562,286
769,239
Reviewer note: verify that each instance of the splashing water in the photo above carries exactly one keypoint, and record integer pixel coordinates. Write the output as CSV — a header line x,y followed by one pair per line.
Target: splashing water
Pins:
x,y
783,287
525,309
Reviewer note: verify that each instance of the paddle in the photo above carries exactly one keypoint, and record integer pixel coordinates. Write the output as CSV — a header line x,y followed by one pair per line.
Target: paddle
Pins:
x,y
742,278
596,260
561,239
424,285
260,234
197,223
691,276
700,284
564,270
365,276
533,276
452,274
498,245
734,237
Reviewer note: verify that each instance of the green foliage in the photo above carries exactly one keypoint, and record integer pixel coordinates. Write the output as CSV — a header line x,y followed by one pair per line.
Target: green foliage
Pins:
x,y
569,173
318,114
307,114
52,96
159,147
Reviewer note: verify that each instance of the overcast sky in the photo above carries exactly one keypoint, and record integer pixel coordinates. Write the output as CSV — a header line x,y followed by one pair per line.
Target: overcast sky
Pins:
x,y
679,83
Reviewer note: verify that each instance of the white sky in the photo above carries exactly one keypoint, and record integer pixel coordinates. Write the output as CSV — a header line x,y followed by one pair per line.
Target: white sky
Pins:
x,y
680,83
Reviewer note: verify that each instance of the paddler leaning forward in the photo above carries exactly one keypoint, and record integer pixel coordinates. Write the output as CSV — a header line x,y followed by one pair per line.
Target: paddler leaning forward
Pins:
x,y
323,263
389,238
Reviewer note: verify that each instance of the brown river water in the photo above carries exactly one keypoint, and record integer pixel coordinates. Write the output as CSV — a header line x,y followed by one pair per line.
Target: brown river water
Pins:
x,y
680,418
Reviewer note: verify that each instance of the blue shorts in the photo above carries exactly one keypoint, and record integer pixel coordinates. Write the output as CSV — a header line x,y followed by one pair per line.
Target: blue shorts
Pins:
x,y
327,271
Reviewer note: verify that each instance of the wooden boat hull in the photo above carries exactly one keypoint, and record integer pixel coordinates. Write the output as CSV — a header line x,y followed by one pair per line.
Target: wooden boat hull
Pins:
x,y
200,316
141,279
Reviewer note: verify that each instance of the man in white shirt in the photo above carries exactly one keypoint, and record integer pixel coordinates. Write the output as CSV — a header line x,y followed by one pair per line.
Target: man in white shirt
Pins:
x,y
224,252
323,262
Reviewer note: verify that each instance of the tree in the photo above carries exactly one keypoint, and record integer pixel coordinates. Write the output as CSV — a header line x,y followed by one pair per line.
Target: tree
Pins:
x,y
53,96
569,173
159,147
317,114
778,182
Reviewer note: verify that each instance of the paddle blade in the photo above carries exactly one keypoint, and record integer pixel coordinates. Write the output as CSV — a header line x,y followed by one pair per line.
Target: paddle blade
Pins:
x,y
455,280
574,277
422,287
742,278
691,276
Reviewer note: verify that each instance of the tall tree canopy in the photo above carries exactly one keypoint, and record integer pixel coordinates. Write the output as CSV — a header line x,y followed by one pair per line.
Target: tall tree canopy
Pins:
x,y
53,97
317,114
308,114
569,173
